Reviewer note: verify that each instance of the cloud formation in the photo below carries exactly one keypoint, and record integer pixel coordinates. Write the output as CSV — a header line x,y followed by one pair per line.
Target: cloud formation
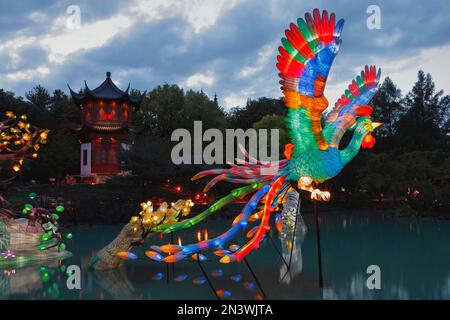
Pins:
x,y
221,46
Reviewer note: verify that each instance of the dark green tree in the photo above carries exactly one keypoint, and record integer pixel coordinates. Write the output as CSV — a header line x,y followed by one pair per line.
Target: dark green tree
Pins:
x,y
274,121
199,107
420,127
39,97
149,158
376,175
162,111
167,108
255,110
60,155
387,104
62,109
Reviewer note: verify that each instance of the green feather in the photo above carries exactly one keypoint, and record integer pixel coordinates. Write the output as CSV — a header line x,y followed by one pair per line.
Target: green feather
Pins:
x,y
349,95
292,51
306,33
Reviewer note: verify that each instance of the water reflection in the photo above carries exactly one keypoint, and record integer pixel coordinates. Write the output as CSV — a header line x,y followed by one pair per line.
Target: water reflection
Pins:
x,y
357,289
30,281
292,252
115,283
292,235
21,282
413,256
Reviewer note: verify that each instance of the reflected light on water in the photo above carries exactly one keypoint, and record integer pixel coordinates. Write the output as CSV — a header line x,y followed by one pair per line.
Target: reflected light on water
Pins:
x,y
404,248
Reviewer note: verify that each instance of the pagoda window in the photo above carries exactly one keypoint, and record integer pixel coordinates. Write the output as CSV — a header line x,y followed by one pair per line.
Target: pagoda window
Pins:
x,y
99,155
104,154
112,155
85,157
89,117
125,113
107,113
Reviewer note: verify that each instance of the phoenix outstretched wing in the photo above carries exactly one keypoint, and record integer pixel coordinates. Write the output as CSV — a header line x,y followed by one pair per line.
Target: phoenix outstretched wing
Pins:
x,y
304,62
352,104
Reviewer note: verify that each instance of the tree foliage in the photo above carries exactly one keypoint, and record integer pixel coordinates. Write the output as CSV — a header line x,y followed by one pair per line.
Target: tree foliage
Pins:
x,y
426,112
273,121
412,162
411,153
388,107
167,108
254,111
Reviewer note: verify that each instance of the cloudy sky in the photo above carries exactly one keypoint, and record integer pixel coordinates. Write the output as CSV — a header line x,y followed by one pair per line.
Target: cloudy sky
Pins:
x,y
226,47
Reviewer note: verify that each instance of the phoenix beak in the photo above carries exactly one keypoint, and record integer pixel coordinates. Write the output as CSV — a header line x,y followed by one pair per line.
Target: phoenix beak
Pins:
x,y
376,125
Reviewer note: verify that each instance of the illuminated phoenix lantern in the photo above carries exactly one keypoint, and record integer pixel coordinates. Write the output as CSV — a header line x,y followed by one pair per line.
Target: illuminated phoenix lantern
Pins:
x,y
313,156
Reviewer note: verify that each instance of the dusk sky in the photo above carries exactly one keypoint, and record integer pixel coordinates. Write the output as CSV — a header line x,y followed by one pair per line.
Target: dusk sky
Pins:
x,y
227,47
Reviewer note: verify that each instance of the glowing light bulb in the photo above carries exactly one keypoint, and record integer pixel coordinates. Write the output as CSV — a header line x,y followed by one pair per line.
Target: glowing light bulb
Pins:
x,y
326,196
43,135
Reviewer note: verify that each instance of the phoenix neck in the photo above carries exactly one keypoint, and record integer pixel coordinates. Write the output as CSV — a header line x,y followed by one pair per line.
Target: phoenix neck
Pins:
x,y
353,147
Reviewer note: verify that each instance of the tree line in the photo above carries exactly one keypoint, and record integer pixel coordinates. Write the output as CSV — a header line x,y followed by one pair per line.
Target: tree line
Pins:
x,y
410,162
410,159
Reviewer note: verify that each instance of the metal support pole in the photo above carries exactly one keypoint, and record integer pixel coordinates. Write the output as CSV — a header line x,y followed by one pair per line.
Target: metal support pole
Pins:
x,y
319,251
173,264
278,251
256,279
206,277
167,272
293,234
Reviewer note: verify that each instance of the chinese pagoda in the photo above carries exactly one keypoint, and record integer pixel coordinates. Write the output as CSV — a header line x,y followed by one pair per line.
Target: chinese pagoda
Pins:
x,y
105,128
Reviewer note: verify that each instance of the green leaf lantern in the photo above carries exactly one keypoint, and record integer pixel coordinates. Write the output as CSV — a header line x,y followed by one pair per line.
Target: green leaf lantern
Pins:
x,y
45,277
45,236
47,225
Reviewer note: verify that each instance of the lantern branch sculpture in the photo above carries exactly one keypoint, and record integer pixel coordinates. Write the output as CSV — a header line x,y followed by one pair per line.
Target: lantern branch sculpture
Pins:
x,y
314,156
19,140
137,230
23,238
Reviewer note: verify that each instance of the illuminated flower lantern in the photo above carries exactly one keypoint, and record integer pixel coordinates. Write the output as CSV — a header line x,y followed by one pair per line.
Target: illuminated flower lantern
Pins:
x,y
314,156
19,140
8,254
165,213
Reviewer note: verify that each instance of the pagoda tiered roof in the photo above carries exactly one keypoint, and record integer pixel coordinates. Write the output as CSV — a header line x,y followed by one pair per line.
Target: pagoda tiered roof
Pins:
x,y
107,91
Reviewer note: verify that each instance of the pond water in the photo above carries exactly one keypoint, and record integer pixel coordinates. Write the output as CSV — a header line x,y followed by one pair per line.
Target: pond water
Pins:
x,y
413,256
